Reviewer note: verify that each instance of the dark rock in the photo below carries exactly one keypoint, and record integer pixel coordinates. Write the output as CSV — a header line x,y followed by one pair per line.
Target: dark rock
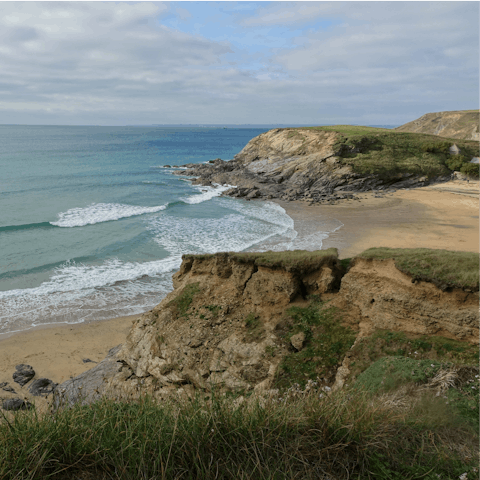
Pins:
x,y
3,384
87,360
23,374
167,166
9,389
16,404
42,386
89,386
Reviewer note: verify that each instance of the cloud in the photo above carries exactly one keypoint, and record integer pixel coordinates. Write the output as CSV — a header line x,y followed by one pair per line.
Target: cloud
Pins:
x,y
317,62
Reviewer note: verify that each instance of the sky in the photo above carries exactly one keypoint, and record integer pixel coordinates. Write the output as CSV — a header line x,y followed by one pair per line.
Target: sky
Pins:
x,y
311,63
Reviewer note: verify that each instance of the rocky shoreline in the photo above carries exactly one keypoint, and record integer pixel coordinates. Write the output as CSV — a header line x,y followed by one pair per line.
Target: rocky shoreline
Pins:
x,y
287,165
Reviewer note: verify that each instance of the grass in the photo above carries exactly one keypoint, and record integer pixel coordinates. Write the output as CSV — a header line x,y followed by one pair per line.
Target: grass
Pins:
x,y
300,434
254,326
444,268
326,342
290,260
389,373
183,301
390,153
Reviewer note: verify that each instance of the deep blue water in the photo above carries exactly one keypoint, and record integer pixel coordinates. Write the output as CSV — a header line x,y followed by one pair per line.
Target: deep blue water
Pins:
x,y
92,225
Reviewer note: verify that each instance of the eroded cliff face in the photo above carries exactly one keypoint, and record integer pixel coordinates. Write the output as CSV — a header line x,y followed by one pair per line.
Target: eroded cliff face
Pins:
x,y
220,325
214,329
382,297
462,124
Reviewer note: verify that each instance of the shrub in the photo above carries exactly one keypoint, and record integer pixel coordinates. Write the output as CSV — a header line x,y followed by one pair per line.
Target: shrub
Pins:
x,y
470,169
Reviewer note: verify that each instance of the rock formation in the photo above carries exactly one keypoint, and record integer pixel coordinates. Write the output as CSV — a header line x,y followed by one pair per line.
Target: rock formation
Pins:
x,y
462,124
303,164
220,328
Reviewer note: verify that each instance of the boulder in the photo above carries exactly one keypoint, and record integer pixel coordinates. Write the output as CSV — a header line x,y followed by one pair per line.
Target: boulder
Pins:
x,y
16,404
42,386
298,341
23,374
88,386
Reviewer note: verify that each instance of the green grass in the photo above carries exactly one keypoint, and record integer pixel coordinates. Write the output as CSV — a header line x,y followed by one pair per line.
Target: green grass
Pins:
x,y
389,373
444,268
255,329
391,153
326,342
348,434
290,260
183,301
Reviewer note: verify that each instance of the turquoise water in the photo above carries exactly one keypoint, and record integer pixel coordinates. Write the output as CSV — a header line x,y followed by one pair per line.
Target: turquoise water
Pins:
x,y
92,225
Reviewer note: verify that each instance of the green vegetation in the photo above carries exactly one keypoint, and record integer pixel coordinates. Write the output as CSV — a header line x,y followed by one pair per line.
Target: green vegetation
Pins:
x,y
347,434
326,342
183,301
389,373
389,152
215,309
444,268
298,260
384,343
255,328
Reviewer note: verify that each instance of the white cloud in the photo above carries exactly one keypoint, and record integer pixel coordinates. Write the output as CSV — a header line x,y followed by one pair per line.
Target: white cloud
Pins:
x,y
115,63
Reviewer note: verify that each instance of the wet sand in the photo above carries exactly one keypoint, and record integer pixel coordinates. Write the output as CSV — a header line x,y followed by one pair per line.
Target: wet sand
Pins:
x,y
441,216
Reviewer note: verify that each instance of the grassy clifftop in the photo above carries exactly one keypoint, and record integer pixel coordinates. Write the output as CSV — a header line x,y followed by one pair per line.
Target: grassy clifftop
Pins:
x,y
386,152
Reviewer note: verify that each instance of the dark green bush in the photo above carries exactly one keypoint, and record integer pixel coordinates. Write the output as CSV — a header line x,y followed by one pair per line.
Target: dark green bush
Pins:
x,y
470,169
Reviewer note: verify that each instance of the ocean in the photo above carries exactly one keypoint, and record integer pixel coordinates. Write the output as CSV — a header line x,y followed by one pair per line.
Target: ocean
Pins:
x,y
92,225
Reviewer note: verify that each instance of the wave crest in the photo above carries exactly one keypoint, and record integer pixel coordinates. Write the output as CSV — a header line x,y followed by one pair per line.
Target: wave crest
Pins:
x,y
101,212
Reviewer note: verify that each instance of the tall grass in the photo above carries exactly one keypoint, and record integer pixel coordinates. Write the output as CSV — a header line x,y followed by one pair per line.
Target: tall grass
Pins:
x,y
442,267
297,435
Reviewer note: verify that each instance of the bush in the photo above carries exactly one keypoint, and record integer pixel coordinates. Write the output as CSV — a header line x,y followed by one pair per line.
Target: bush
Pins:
x,y
470,169
456,162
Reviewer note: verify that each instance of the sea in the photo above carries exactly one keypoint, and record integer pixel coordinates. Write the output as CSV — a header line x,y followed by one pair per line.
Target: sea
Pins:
x,y
93,224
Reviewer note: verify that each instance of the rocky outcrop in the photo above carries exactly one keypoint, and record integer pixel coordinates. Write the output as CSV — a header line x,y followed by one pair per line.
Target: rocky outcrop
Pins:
x,y
89,386
297,164
220,340
461,124
220,327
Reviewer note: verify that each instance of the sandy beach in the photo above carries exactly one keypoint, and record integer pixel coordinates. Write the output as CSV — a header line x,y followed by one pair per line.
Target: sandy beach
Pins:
x,y
440,216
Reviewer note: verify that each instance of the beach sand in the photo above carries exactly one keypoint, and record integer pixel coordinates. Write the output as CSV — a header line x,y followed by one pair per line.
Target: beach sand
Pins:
x,y
441,216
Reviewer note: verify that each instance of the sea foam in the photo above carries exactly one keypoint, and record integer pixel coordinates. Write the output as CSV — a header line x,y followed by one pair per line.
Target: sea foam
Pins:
x,y
206,193
101,212
76,292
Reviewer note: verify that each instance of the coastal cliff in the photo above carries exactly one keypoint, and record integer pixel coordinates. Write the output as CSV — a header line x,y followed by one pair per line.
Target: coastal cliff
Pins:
x,y
461,124
256,322
327,164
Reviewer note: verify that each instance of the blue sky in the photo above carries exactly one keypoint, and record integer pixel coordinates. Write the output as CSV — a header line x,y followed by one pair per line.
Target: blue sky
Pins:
x,y
117,63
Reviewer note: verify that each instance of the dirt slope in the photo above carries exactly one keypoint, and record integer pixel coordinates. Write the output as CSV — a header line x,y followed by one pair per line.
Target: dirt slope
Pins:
x,y
461,124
